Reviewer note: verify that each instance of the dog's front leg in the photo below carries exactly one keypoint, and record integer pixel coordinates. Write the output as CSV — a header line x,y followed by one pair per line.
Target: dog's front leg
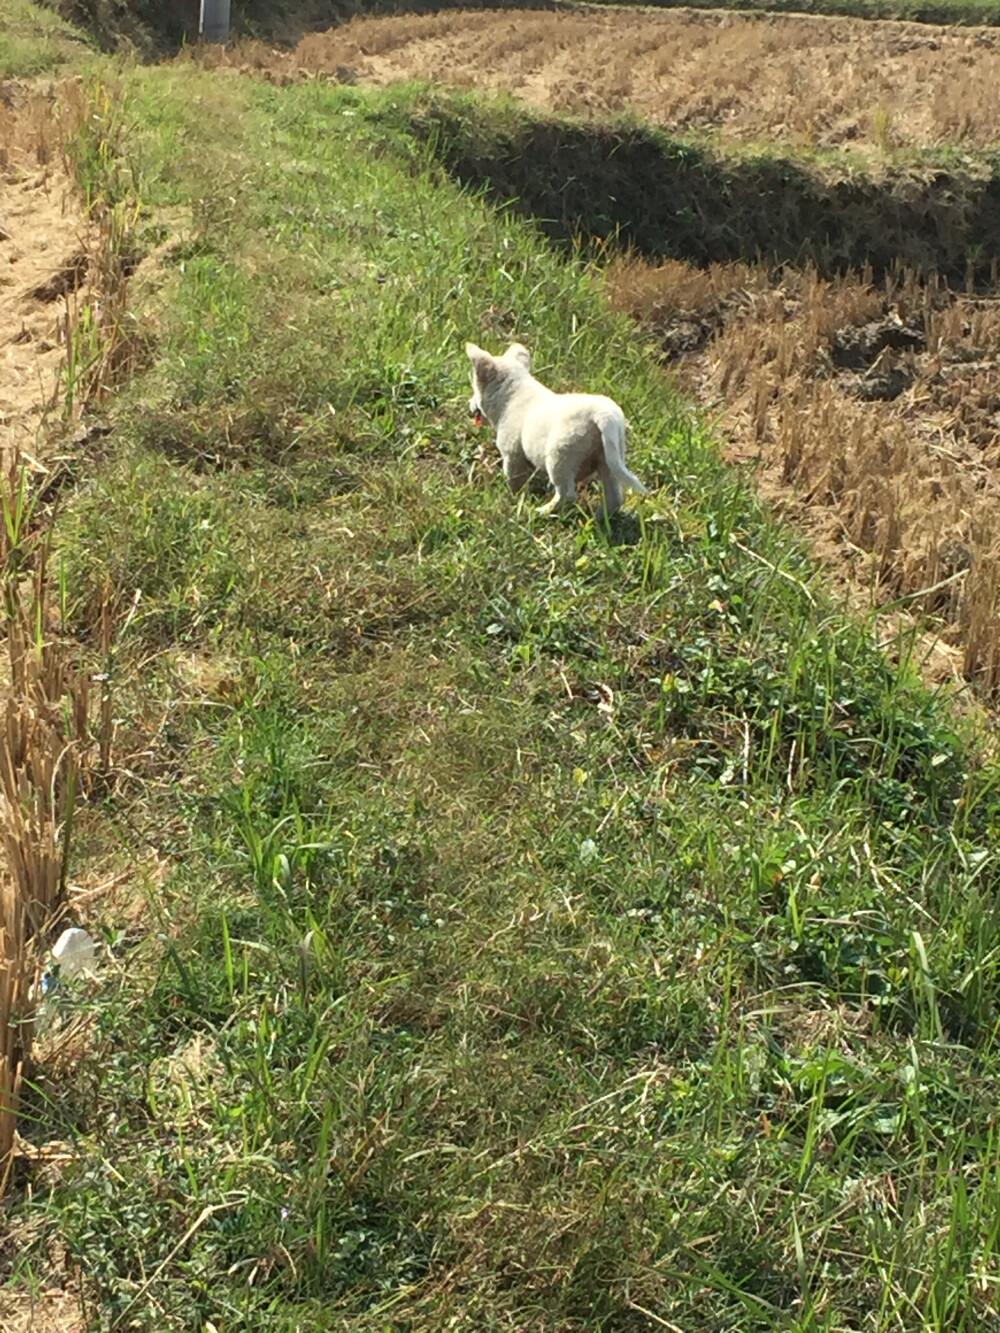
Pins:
x,y
516,469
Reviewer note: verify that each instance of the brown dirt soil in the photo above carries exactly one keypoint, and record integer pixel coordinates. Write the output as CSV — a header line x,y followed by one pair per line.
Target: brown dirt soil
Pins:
x,y
792,80
52,1310
42,265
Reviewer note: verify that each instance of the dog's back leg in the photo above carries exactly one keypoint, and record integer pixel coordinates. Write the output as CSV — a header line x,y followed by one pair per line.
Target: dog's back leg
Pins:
x,y
613,443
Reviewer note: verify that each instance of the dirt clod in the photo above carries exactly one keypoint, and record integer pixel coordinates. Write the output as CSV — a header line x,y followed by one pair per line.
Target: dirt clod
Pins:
x,y
858,349
67,278
881,386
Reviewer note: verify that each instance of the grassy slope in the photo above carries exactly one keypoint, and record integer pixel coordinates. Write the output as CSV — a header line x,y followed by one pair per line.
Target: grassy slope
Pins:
x,y
633,185
557,933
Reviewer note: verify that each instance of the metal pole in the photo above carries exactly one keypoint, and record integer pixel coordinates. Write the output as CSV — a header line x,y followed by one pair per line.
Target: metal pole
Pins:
x,y
214,23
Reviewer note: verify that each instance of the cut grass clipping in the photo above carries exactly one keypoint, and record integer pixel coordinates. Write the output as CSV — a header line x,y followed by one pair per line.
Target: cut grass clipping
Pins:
x,y
527,927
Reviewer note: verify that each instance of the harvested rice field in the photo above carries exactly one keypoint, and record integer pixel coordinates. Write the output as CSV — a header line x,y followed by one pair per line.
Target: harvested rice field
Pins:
x,y
792,80
869,410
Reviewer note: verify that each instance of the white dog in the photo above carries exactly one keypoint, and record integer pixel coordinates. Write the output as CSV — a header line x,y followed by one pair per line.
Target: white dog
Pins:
x,y
568,436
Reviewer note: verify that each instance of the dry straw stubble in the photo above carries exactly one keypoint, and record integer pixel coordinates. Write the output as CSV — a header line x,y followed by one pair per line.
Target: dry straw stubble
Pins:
x,y
875,402
789,79
43,737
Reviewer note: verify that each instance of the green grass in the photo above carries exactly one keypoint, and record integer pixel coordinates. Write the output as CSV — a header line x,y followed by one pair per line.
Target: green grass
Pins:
x,y
533,927
34,40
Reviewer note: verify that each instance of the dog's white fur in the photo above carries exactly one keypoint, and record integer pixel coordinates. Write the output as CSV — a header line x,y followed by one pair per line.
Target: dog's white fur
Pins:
x,y
568,436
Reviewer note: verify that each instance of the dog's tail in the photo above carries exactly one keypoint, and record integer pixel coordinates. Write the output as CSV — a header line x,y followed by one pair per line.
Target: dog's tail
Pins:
x,y
613,440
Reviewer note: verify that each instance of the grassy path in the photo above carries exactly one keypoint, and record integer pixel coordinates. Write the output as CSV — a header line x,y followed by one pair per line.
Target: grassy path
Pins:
x,y
547,930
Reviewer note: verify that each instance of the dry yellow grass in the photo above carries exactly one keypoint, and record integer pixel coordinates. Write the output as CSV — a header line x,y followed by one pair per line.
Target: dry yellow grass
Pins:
x,y
42,227
792,79
45,731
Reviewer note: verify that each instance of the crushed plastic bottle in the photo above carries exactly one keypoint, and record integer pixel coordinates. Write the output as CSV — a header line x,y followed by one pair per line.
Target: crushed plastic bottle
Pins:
x,y
75,952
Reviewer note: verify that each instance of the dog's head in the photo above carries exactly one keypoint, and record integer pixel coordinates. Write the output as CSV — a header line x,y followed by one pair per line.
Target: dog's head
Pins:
x,y
492,377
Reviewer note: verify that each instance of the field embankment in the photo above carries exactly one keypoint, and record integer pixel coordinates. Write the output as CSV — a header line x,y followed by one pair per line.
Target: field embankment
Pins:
x,y
639,188
157,30
837,143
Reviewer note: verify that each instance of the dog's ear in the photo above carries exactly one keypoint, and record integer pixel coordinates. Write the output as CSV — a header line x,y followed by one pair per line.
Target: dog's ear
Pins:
x,y
518,352
484,365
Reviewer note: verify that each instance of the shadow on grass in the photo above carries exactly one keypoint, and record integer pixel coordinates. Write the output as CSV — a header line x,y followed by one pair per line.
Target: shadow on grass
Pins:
x,y
634,186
